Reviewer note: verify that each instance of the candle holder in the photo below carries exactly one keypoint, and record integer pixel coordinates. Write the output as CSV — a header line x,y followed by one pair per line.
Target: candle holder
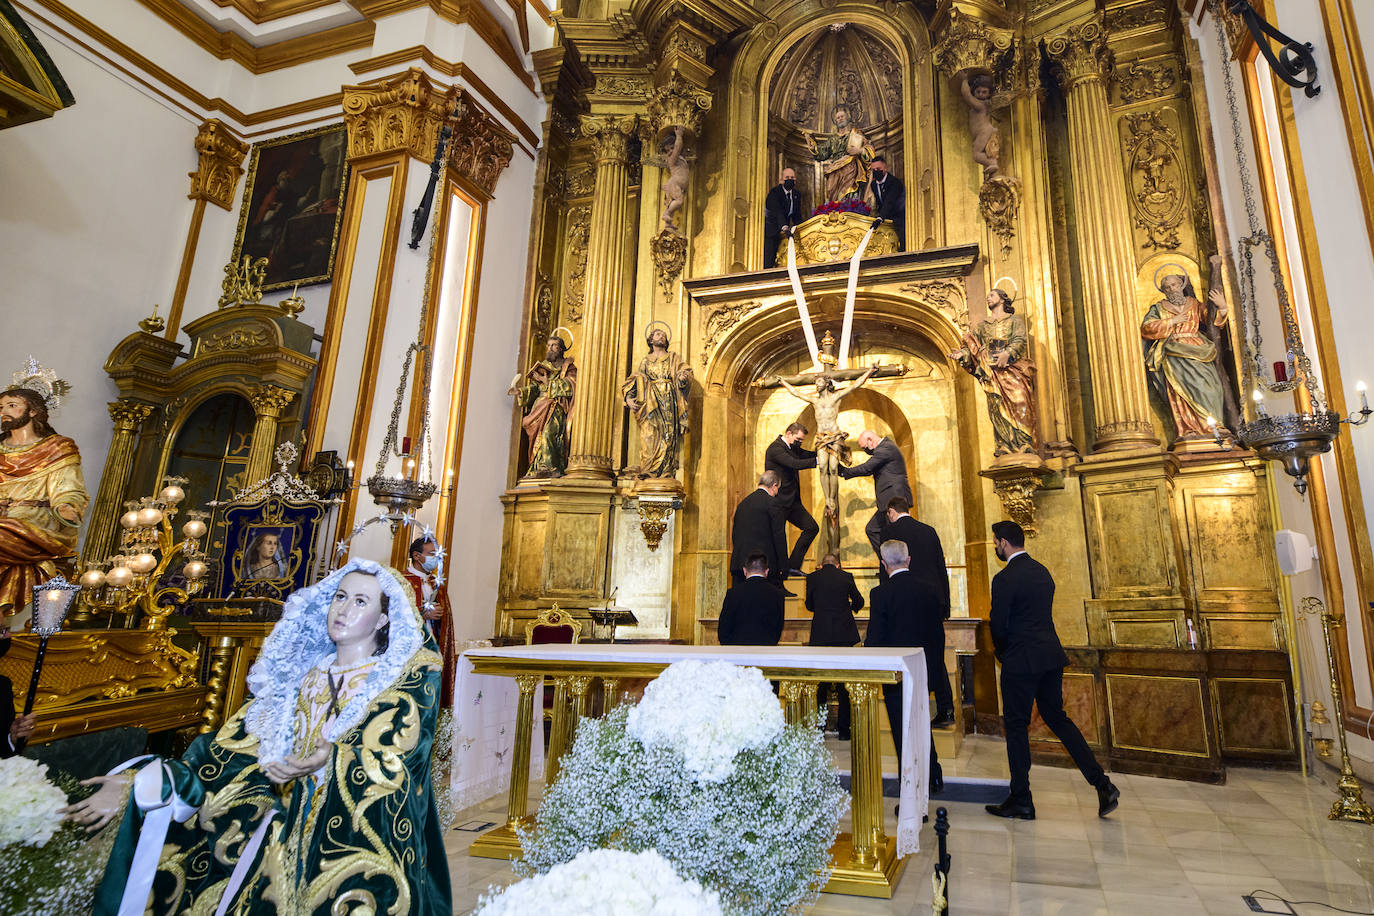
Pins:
x,y
1350,804
130,581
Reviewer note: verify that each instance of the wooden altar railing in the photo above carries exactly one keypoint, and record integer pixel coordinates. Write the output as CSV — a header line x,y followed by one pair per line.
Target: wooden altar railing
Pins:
x,y
866,859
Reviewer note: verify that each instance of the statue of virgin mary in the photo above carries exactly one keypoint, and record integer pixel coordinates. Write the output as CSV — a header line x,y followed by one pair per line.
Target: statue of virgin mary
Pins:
x,y
313,798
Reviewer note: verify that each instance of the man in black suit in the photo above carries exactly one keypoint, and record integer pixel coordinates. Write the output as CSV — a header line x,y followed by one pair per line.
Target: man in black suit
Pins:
x,y
905,611
758,528
889,199
752,612
13,729
1033,672
833,599
782,210
928,563
888,470
785,457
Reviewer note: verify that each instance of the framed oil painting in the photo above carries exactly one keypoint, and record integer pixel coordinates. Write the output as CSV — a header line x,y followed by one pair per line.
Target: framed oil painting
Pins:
x,y
293,201
268,547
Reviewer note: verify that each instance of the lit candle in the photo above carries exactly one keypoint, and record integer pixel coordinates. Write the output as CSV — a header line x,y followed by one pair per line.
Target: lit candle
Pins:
x,y
1259,404
1212,422
1364,398
350,465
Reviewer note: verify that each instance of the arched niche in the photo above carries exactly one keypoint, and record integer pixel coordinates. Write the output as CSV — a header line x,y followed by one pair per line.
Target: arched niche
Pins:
x,y
748,172
846,65
941,442
211,447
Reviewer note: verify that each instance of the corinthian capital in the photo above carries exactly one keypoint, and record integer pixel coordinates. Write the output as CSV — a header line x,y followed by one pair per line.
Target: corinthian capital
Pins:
x,y
1079,53
270,400
610,134
221,160
129,415
966,43
404,114
481,147
677,104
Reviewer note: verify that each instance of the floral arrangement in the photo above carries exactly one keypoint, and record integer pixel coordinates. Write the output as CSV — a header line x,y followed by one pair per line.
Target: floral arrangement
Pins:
x,y
728,709
848,205
28,806
605,882
704,771
46,865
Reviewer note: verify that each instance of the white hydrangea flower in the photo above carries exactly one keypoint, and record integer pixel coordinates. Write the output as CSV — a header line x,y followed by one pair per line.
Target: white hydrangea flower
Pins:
x,y
605,882
28,806
709,712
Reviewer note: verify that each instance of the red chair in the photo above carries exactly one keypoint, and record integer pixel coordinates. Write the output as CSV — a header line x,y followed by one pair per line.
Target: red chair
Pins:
x,y
554,626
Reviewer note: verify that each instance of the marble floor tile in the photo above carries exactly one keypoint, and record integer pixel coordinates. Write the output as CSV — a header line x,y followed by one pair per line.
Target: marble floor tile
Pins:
x,y
1123,904
1172,848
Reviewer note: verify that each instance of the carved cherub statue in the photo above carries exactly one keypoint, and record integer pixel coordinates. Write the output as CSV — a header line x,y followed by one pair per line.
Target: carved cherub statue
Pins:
x,y
679,174
977,90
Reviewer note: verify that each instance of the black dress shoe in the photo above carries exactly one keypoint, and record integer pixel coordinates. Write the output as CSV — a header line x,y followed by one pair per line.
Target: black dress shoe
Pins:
x,y
788,592
1108,797
1012,809
797,572
937,784
942,719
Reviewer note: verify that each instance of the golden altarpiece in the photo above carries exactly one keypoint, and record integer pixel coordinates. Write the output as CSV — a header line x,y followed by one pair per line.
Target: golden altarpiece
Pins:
x,y
1104,181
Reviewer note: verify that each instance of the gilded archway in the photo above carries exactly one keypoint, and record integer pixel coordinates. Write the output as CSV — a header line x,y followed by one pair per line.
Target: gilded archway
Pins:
x,y
747,170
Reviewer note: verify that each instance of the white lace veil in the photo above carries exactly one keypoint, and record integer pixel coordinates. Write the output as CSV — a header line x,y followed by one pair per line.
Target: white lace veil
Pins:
x,y
300,640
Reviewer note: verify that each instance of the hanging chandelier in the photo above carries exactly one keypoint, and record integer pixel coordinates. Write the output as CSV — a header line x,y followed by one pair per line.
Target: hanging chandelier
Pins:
x,y
1291,439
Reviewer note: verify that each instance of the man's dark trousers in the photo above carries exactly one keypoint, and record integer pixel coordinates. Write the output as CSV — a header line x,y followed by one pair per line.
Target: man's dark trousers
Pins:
x,y
1046,690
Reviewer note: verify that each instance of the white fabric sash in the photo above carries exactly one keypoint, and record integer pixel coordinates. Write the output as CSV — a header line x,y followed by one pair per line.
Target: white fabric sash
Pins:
x,y
158,814
240,873
849,298
801,304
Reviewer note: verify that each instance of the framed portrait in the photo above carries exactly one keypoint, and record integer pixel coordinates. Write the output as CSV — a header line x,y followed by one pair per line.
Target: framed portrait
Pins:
x,y
293,201
269,546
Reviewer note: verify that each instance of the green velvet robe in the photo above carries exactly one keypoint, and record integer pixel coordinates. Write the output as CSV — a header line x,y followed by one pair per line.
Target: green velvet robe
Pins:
x,y
365,840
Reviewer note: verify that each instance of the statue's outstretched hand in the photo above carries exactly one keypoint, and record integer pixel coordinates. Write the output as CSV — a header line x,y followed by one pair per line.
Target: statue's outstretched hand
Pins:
x,y
99,809
293,767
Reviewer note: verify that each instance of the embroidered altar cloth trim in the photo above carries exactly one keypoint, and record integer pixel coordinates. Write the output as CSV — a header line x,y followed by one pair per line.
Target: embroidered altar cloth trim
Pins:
x,y
476,763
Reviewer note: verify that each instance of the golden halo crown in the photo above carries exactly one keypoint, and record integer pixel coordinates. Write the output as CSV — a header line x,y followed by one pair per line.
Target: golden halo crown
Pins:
x,y
649,329
1170,269
566,336
36,377
1010,282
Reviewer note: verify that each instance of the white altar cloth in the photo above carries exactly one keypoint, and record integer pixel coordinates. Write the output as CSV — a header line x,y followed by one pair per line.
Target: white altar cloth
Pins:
x,y
485,710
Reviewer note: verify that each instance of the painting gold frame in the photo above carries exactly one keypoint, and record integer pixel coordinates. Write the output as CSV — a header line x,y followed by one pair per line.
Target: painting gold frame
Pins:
x,y
293,234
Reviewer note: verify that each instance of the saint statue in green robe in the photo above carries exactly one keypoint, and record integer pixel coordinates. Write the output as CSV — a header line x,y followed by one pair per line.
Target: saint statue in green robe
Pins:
x,y
315,797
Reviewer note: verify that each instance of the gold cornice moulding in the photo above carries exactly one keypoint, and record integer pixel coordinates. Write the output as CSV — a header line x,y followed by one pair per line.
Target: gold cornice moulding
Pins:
x,y
405,115
221,164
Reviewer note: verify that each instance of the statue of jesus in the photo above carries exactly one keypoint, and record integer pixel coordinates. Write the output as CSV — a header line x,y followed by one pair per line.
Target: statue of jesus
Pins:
x,y
831,450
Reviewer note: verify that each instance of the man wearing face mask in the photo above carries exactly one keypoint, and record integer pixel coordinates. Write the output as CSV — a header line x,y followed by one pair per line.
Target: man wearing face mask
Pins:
x,y
887,467
424,564
782,210
888,199
1033,662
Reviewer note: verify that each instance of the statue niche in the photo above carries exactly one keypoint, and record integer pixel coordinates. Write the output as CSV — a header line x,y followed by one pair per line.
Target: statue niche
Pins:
x,y
835,102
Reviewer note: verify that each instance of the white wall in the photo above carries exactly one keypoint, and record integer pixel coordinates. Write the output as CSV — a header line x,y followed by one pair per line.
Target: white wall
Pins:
x,y
92,221
1348,273
476,549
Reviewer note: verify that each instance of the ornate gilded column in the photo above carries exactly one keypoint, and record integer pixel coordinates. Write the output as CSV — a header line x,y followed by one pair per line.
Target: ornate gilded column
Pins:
x,y
128,415
593,419
268,402
1104,241
215,180
1030,158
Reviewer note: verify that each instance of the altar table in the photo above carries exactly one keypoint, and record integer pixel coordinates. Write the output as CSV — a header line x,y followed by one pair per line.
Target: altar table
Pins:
x,y
496,700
